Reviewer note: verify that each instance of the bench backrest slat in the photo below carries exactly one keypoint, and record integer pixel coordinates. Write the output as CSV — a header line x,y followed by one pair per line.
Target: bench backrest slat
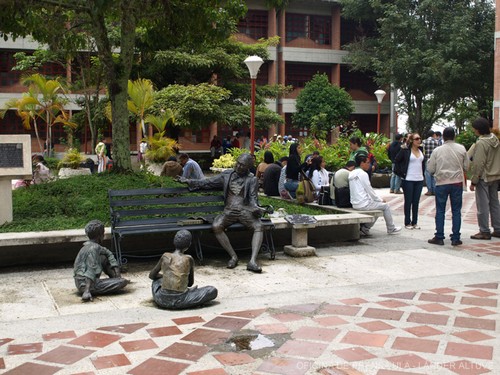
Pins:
x,y
166,200
182,210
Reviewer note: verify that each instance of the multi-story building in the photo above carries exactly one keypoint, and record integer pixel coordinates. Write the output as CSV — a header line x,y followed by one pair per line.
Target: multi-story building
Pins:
x,y
312,33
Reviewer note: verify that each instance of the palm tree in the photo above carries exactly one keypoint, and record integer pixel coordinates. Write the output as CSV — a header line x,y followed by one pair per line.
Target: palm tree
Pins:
x,y
160,147
47,103
27,110
141,98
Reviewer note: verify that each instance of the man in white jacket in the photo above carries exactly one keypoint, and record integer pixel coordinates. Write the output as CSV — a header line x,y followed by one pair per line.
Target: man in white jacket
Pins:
x,y
447,165
364,198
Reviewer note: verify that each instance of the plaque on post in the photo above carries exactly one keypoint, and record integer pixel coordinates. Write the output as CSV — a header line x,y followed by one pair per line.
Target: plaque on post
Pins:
x,y
15,163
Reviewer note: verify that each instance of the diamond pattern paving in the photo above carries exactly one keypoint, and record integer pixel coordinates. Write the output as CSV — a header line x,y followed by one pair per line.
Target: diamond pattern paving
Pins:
x,y
437,331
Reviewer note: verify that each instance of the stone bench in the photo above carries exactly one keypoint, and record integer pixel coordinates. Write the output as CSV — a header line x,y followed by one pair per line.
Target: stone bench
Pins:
x,y
300,246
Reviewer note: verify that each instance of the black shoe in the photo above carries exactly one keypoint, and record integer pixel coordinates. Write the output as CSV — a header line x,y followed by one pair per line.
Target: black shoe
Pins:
x,y
456,243
232,263
253,267
436,241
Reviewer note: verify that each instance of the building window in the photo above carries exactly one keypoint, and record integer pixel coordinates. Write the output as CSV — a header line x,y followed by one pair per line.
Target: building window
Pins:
x,y
354,80
316,28
254,24
297,75
8,77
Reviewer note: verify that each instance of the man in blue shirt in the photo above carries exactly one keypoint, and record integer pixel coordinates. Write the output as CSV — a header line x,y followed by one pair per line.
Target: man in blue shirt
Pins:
x,y
190,168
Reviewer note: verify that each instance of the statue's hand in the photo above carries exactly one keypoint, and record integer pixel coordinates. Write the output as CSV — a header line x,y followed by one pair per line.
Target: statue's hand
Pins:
x,y
182,180
117,272
86,296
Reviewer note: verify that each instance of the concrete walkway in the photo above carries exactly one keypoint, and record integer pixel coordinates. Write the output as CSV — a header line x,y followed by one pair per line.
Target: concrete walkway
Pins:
x,y
383,305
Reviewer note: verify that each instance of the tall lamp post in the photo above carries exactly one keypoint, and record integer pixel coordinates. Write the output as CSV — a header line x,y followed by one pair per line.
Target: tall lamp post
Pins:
x,y
396,113
253,64
380,96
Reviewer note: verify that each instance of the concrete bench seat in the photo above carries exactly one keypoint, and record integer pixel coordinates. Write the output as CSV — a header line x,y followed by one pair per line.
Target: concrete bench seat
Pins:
x,y
300,246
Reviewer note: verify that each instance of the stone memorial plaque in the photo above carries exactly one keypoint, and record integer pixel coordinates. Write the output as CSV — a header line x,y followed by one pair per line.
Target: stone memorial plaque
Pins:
x,y
15,156
300,219
11,155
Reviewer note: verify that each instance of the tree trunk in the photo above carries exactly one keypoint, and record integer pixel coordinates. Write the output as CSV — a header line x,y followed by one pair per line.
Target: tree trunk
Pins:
x,y
121,135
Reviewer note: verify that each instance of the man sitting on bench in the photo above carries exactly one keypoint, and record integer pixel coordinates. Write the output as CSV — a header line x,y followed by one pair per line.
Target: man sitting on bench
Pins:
x,y
241,206
171,287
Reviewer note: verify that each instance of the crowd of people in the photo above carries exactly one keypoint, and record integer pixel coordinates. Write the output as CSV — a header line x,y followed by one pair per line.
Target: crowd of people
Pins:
x,y
436,162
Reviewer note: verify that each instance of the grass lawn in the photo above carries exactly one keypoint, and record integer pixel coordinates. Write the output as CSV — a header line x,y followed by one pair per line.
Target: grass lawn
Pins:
x,y
71,203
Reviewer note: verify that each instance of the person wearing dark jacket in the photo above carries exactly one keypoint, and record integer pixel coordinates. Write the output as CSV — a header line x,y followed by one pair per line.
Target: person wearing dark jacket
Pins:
x,y
392,151
271,179
410,167
293,168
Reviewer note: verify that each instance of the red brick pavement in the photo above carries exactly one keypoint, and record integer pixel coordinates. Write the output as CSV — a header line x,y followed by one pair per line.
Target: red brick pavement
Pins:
x,y
390,334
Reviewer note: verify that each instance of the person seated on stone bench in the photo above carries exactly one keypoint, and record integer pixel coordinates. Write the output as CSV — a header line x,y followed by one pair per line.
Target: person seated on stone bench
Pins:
x,y
91,261
339,185
170,288
241,206
364,198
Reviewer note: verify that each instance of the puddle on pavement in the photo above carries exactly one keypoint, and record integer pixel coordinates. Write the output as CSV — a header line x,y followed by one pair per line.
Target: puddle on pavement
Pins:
x,y
250,342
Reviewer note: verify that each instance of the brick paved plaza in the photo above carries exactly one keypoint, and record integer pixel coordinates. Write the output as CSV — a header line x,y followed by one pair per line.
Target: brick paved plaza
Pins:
x,y
385,305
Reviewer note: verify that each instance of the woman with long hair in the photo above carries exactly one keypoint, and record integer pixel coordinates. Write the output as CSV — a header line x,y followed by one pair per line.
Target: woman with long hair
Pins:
x,y
293,168
317,173
409,165
261,168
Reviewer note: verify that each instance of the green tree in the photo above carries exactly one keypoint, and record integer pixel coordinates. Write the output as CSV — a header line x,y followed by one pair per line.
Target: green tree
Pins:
x,y
221,63
322,105
115,27
435,52
45,100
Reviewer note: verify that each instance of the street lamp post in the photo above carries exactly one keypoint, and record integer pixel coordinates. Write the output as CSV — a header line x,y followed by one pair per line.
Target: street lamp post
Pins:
x,y
380,96
253,64
396,113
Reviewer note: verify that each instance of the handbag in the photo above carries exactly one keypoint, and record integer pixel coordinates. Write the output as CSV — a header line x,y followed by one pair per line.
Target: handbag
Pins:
x,y
324,198
305,190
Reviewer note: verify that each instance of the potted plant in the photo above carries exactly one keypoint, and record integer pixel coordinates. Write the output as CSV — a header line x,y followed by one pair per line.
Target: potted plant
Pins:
x,y
160,148
70,164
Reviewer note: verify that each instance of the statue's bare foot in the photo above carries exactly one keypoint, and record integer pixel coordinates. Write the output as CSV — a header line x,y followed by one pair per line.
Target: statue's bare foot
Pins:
x,y
254,267
233,262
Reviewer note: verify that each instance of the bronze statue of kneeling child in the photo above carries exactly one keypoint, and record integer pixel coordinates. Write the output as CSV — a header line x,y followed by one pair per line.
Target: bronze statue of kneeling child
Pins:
x,y
91,261
171,288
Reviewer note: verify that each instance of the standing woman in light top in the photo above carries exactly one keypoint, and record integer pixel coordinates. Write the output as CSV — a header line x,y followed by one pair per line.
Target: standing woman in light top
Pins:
x,y
100,150
409,165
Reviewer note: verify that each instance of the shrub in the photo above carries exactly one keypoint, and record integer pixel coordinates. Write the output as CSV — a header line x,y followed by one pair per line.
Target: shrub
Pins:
x,y
71,159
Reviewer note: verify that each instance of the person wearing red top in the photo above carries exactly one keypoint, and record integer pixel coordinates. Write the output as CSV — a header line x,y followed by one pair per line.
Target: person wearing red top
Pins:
x,y
235,143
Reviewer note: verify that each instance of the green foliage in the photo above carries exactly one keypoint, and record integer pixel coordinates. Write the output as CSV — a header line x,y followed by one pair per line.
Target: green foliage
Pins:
x,y
466,138
160,148
321,105
436,52
71,203
225,161
71,159
194,106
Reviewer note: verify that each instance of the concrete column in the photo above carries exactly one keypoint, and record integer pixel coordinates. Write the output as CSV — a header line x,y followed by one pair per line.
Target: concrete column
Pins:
x,y
6,199
336,27
212,130
299,246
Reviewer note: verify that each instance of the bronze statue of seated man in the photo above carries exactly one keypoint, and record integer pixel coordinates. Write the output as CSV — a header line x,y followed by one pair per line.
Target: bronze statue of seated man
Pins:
x,y
171,288
240,188
91,261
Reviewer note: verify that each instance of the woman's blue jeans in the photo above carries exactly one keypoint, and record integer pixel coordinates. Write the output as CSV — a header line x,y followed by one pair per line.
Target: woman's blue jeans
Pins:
x,y
291,186
412,191
454,191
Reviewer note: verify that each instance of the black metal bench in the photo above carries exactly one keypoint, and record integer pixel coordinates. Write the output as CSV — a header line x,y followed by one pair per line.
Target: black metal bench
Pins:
x,y
163,210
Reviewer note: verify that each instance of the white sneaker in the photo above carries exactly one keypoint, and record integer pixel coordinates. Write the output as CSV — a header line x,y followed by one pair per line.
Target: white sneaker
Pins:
x,y
394,231
409,226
